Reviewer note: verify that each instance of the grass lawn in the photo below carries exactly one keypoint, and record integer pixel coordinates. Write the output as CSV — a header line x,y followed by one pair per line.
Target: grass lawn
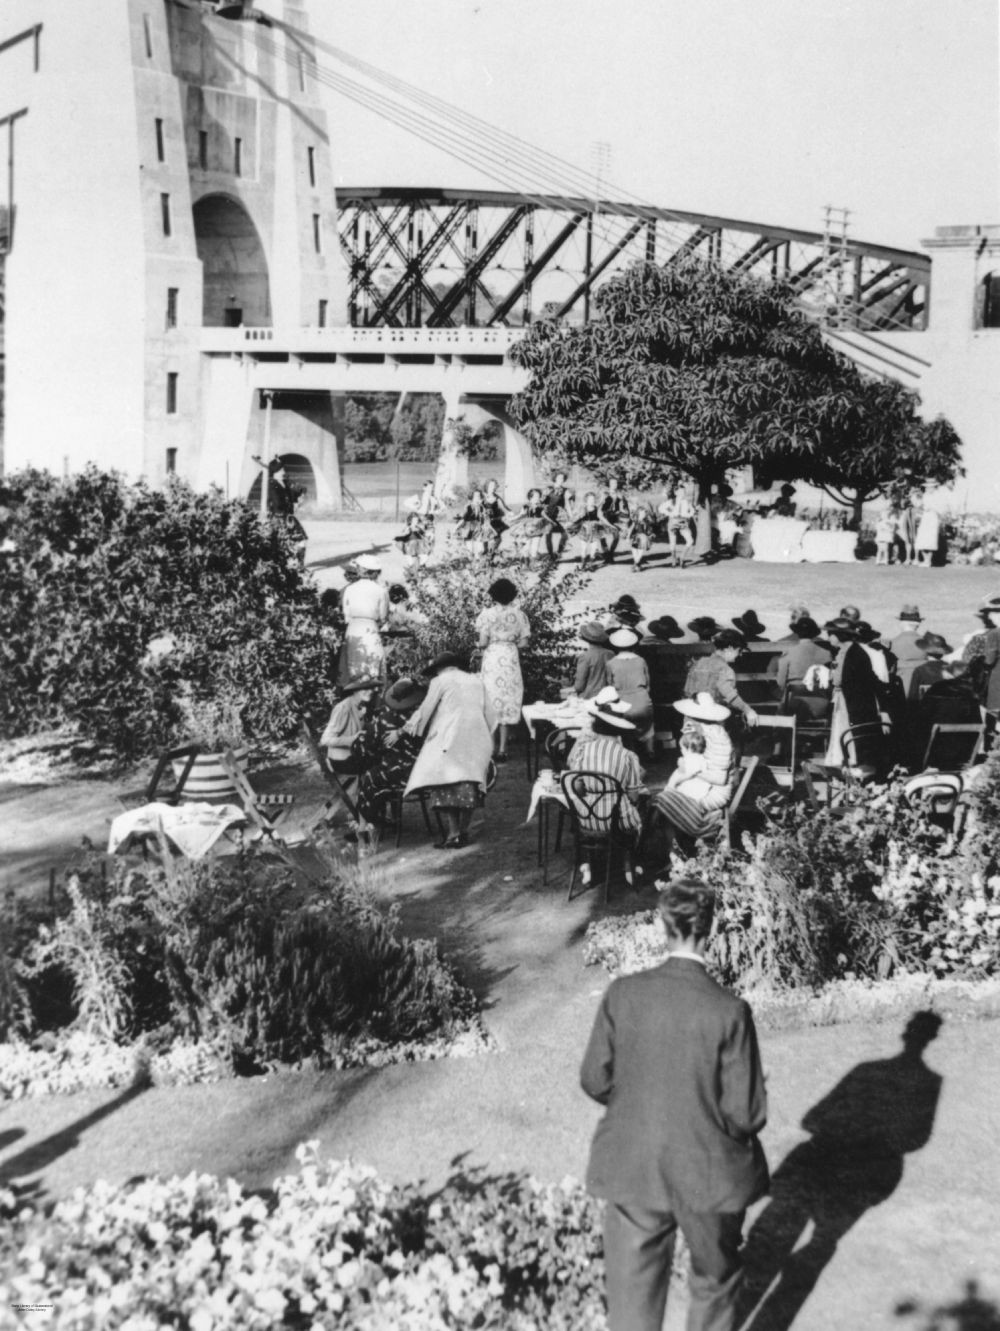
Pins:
x,y
911,1220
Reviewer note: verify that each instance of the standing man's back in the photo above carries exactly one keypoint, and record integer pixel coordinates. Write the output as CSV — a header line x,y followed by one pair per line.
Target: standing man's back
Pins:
x,y
673,1056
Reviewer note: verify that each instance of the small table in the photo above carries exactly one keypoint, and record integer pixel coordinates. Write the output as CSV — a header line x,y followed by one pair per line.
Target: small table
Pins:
x,y
540,717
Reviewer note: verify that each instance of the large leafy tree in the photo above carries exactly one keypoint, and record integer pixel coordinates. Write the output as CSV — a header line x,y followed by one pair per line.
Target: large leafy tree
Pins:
x,y
694,369
882,447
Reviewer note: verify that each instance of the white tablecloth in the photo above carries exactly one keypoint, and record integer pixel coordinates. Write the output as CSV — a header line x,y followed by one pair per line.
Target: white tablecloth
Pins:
x,y
778,540
829,547
568,715
193,828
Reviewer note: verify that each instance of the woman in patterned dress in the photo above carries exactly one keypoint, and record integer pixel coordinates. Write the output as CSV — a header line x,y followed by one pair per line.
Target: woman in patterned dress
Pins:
x,y
641,529
365,607
503,629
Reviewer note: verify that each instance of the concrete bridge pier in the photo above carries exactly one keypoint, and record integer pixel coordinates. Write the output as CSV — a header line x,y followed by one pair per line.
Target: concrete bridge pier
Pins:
x,y
474,412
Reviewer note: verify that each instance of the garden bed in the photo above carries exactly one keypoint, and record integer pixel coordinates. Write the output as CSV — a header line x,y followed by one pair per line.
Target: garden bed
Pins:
x,y
330,1245
182,973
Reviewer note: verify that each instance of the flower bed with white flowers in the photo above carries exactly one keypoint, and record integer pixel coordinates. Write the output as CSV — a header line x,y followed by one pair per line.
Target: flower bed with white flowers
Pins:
x,y
333,1246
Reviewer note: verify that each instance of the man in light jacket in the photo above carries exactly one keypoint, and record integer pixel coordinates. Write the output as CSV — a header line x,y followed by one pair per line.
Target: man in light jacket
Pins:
x,y
673,1057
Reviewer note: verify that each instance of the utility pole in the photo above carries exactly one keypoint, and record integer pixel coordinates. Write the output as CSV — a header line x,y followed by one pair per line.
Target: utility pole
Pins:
x,y
837,312
600,154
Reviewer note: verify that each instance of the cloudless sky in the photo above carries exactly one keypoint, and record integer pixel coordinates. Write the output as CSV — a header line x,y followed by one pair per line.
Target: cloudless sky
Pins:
x,y
758,109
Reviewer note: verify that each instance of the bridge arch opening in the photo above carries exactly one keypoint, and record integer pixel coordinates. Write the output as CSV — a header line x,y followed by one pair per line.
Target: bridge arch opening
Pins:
x,y
236,282
300,477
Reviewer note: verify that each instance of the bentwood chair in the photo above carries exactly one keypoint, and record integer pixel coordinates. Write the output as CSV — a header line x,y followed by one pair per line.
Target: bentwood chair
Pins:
x,y
594,801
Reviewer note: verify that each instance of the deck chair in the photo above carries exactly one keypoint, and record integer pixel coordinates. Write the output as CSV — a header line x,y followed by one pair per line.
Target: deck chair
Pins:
x,y
151,793
783,763
952,748
748,765
594,801
335,776
264,811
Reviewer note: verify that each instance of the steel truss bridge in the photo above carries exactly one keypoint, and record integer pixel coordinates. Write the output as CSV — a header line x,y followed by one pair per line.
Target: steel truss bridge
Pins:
x,y
443,258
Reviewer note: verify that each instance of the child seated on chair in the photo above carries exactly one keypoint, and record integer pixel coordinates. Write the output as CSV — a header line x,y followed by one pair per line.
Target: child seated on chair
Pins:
x,y
688,777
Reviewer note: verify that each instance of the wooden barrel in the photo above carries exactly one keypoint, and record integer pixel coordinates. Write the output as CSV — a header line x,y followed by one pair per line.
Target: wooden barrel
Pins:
x,y
207,779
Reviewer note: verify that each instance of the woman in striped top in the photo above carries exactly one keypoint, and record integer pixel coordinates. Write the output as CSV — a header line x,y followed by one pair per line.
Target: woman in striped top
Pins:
x,y
602,751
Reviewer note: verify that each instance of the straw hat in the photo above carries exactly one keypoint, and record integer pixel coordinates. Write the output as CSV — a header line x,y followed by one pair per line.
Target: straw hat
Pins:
x,y
911,612
608,697
594,633
702,707
369,563
623,639
609,714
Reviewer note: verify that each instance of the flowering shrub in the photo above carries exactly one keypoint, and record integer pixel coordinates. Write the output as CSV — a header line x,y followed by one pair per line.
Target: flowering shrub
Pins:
x,y
863,890
333,1246
225,956
448,599
114,597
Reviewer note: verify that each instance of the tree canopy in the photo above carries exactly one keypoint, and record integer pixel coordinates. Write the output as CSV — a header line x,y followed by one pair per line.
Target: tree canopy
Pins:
x,y
693,369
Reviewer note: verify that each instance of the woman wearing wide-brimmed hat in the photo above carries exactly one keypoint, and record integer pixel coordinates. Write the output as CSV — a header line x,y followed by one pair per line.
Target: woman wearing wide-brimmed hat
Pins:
x,y
629,674
347,718
856,698
385,752
365,607
750,626
503,629
697,811
591,665
456,723
803,673
600,749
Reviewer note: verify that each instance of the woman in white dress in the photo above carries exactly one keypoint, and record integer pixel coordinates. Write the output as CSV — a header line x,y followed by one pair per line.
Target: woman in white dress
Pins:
x,y
503,630
365,607
928,536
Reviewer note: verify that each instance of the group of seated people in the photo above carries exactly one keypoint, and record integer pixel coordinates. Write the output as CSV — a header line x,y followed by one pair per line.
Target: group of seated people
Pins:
x,y
838,676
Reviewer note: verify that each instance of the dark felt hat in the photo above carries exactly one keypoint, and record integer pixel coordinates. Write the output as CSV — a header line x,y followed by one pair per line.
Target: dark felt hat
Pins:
x,y
911,612
594,633
841,627
704,626
404,695
748,624
934,645
356,685
444,661
865,633
805,627
665,627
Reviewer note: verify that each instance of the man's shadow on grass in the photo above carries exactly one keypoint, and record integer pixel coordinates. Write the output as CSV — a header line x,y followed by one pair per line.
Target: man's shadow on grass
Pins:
x,y
860,1133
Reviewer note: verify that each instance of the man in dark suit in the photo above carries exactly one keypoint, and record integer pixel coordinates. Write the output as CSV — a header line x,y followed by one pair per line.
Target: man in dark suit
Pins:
x,y
673,1056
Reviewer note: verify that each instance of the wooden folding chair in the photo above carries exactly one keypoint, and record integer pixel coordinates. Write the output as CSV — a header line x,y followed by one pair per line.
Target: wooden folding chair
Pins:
x,y
331,775
152,793
948,752
264,811
748,765
782,725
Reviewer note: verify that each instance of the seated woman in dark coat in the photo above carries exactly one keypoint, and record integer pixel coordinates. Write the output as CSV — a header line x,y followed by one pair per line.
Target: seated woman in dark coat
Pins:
x,y
385,753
